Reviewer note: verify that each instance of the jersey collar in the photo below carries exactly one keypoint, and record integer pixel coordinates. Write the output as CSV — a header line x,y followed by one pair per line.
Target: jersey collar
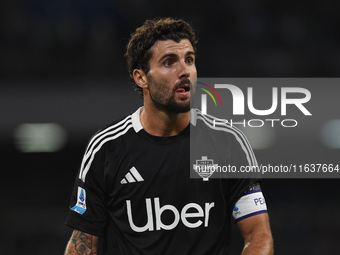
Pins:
x,y
137,125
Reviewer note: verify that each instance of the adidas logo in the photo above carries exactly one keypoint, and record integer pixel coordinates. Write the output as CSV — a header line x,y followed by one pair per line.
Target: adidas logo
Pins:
x,y
132,176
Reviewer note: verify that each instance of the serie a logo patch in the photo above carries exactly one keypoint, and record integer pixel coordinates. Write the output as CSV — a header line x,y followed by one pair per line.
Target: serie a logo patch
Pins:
x,y
80,206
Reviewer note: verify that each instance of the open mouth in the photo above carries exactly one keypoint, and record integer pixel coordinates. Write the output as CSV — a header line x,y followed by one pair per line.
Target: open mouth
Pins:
x,y
183,88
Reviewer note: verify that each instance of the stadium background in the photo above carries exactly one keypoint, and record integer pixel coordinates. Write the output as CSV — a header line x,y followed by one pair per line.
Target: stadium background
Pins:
x,y
62,62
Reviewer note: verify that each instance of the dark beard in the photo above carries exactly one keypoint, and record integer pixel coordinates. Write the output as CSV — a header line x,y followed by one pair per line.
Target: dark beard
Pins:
x,y
170,105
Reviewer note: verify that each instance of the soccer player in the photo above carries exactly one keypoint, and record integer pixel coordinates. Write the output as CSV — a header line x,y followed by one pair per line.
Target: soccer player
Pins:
x,y
133,193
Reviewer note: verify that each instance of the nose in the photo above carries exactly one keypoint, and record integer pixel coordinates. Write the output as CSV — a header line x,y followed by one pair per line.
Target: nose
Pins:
x,y
184,71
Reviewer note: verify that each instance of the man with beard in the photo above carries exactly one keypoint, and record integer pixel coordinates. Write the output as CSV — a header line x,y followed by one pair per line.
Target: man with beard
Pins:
x,y
133,193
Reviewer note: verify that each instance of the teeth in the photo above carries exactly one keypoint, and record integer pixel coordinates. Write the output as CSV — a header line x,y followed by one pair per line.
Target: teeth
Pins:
x,y
185,86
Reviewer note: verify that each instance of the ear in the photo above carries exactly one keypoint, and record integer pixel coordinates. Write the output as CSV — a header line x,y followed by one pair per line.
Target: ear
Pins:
x,y
140,78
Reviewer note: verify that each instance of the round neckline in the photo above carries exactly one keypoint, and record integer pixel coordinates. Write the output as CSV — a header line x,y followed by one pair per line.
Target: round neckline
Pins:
x,y
166,139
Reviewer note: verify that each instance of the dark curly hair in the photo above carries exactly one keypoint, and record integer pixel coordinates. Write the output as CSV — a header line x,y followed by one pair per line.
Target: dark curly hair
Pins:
x,y
138,52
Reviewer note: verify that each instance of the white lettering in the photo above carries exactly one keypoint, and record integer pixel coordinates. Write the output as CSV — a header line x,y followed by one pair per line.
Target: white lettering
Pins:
x,y
262,112
238,97
204,104
297,101
292,120
149,224
239,101
272,120
256,120
191,210
185,215
159,210
207,210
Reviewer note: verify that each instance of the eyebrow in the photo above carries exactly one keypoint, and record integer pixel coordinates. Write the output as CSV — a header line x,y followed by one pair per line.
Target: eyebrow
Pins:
x,y
175,55
191,53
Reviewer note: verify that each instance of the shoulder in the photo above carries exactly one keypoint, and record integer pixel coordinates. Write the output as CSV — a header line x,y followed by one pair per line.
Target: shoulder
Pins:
x,y
116,129
111,132
220,134
109,137
215,126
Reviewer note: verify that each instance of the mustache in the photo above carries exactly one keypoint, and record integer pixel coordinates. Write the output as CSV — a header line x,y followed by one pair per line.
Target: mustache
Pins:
x,y
182,82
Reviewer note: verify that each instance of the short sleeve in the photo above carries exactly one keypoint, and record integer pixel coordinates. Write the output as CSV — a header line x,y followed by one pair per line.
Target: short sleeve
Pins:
x,y
241,155
87,205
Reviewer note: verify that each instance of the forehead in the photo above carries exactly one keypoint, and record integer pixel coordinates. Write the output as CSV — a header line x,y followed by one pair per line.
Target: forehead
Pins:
x,y
161,48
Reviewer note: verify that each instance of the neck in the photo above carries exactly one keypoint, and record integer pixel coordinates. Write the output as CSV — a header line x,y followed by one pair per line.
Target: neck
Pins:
x,y
162,123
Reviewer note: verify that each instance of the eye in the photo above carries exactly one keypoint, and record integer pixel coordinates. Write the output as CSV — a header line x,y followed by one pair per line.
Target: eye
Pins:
x,y
190,60
168,62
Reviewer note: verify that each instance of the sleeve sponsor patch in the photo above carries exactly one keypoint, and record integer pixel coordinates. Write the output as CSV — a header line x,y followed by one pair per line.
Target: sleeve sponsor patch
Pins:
x,y
80,206
249,204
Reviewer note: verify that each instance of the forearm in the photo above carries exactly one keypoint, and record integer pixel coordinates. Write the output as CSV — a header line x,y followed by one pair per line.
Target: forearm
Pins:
x,y
259,244
82,243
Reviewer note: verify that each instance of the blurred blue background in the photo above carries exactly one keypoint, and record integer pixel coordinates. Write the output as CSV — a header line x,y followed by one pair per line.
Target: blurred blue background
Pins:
x,y
63,76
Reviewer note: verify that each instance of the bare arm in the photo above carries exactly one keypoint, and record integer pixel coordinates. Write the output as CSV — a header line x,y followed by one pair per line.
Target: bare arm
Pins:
x,y
82,243
257,236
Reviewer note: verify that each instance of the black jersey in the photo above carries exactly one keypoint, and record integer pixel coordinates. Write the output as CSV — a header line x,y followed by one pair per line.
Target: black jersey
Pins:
x,y
135,191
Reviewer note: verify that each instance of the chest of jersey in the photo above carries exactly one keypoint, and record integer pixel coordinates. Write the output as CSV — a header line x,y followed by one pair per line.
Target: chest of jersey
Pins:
x,y
151,189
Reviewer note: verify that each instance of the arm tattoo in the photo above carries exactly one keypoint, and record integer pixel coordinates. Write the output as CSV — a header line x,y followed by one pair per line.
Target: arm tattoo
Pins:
x,y
82,244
